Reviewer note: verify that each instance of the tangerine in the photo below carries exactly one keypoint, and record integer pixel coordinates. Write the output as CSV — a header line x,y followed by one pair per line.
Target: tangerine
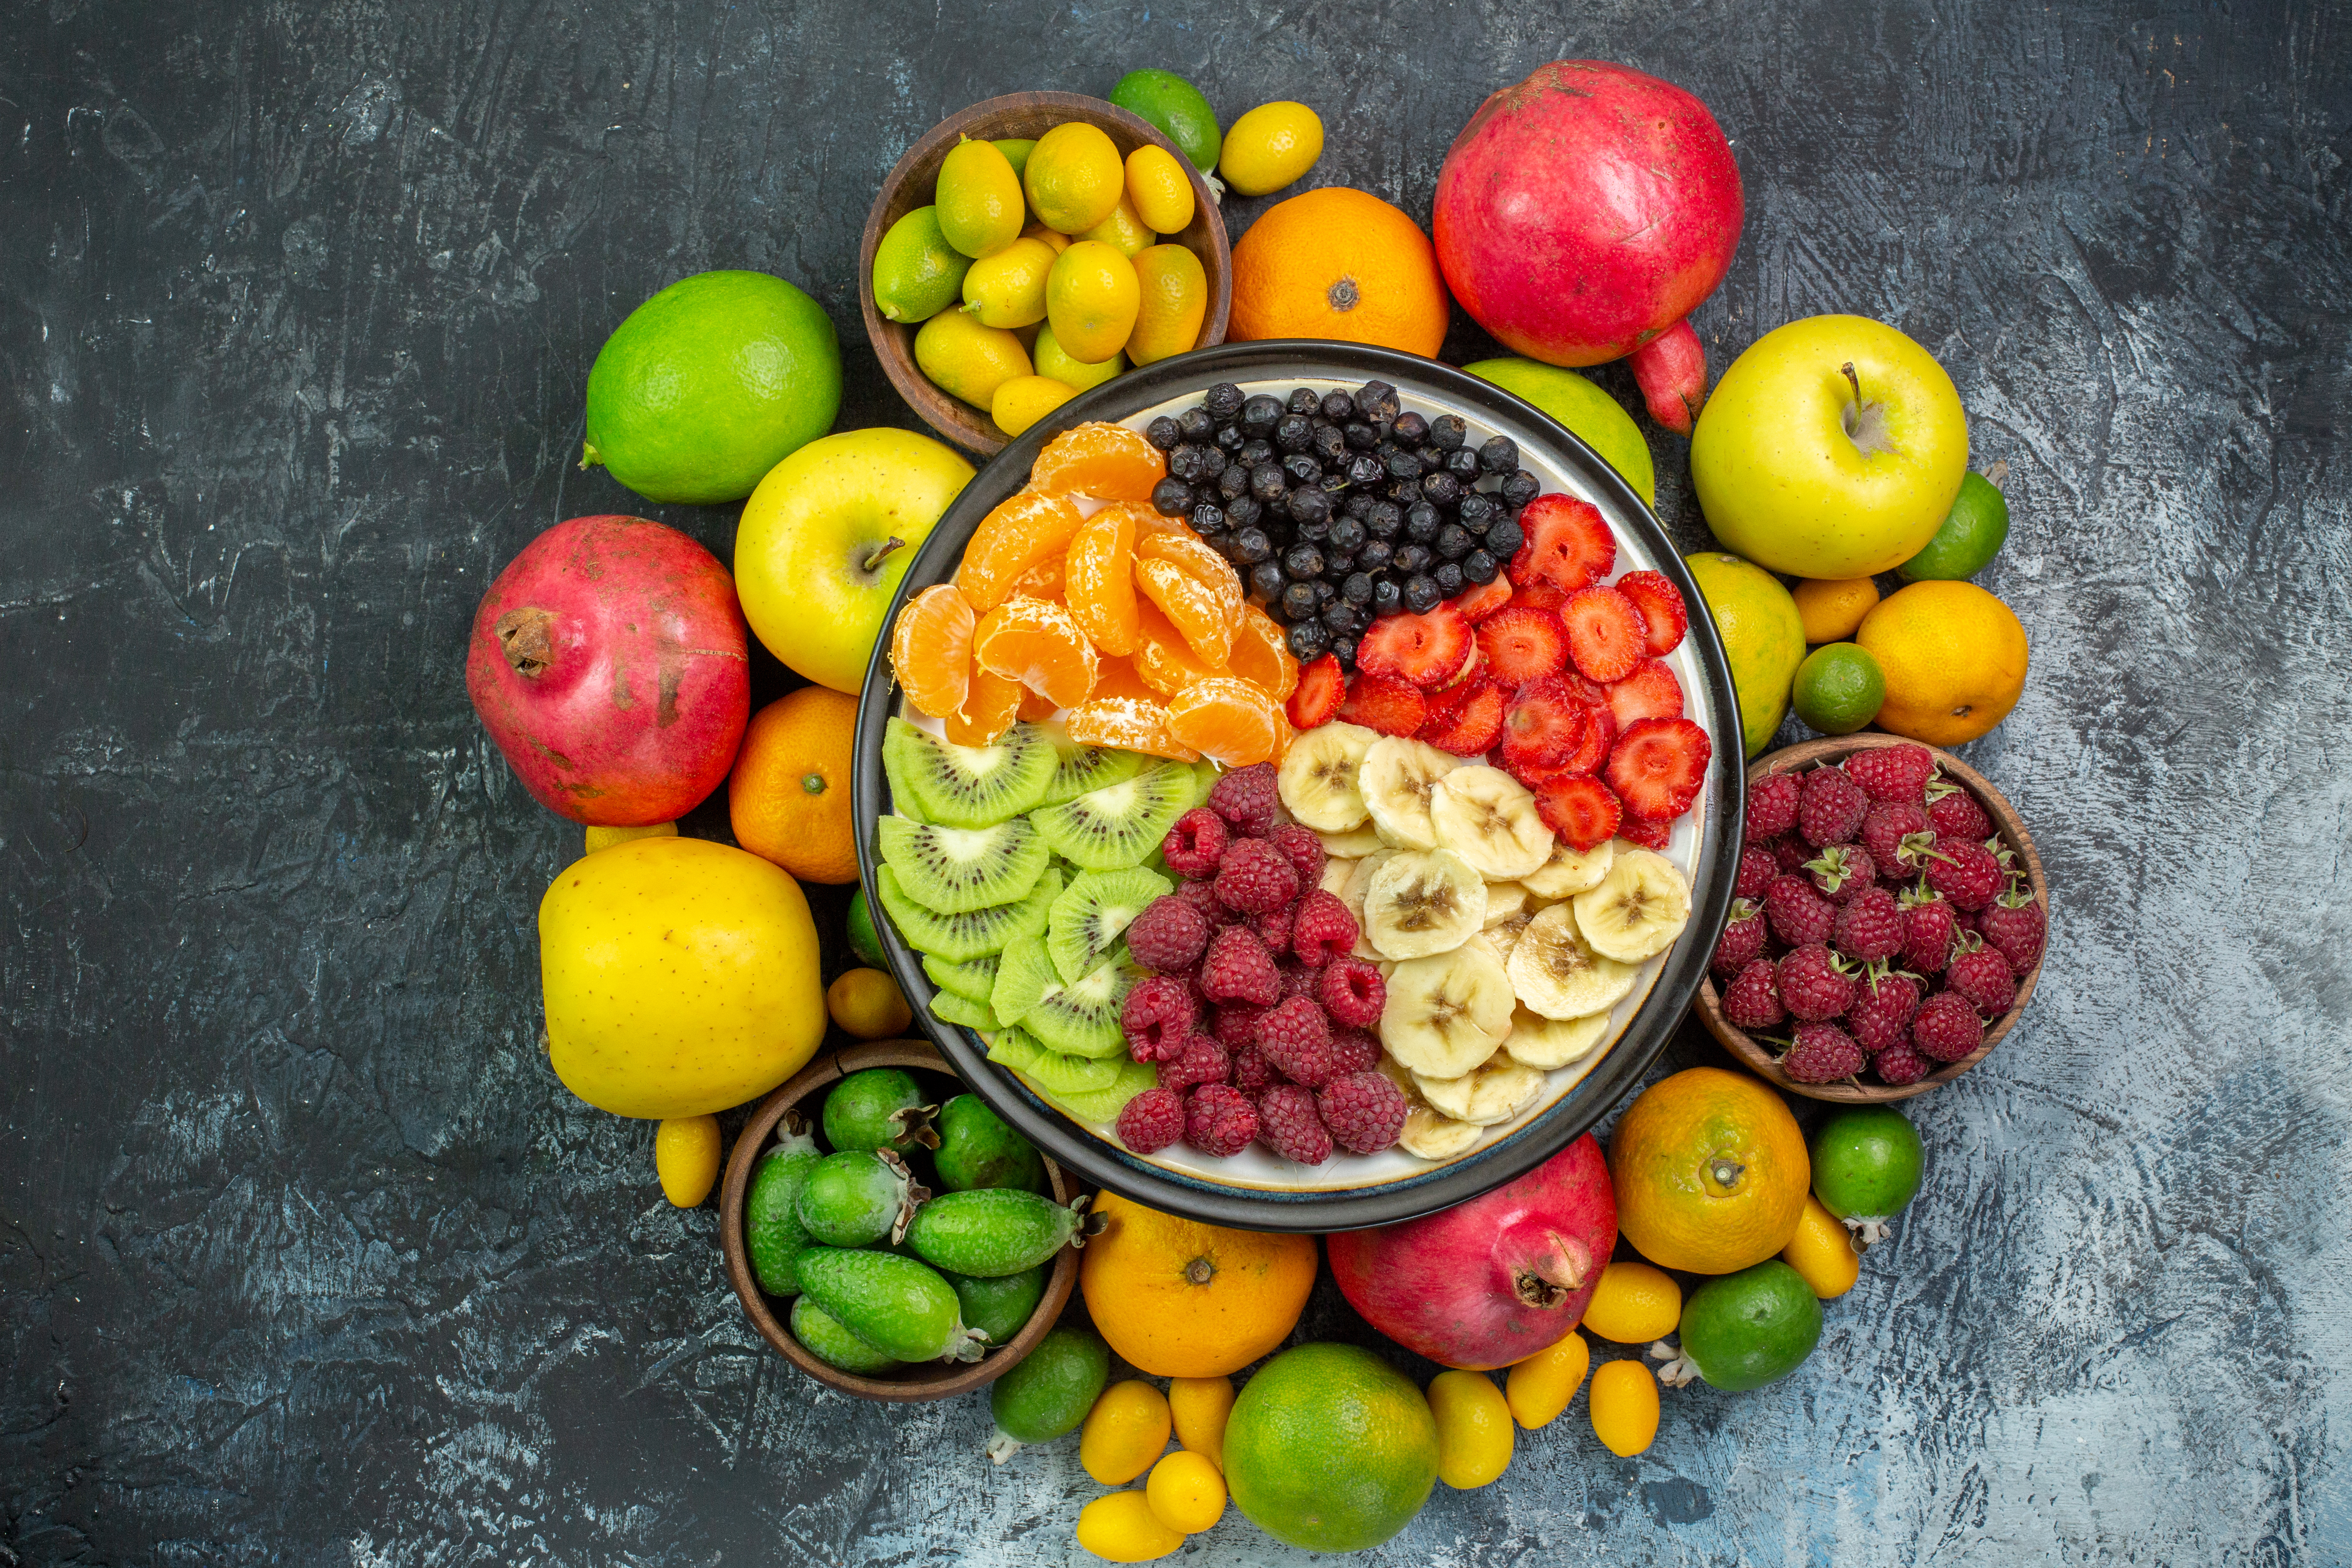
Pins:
x,y
1201,561
1229,720
1100,576
1129,724
1163,658
1117,677
788,795
987,712
931,649
1262,655
1191,606
1035,707
1338,263
1710,1171
1025,530
1036,642
1046,580
1108,462
1179,1298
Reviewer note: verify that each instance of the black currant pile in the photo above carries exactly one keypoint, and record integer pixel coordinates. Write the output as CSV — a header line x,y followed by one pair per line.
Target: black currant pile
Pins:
x,y
1338,507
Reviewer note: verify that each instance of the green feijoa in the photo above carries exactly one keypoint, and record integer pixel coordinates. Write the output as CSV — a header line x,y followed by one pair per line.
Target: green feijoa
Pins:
x,y
822,1335
864,939
917,273
978,1149
1177,107
772,1232
1867,1164
999,1308
1743,1331
1050,1392
880,1107
992,1231
856,1199
898,1306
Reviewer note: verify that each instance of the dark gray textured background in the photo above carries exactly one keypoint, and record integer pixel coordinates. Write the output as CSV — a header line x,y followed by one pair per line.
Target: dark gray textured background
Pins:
x,y
306,1258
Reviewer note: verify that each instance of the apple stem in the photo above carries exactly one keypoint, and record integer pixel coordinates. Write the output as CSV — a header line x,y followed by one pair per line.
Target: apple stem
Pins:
x,y
1852,380
882,553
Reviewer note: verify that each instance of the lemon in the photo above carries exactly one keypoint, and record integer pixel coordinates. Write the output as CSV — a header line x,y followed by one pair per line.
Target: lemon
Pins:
x,y
1008,288
979,198
1158,189
1123,231
1594,415
1091,299
966,359
1176,107
1174,296
1025,399
1953,657
1838,689
916,271
1270,146
1763,638
1074,177
1079,374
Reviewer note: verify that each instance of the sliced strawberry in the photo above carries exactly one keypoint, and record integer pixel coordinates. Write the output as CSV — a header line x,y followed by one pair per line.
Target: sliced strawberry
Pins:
x,y
1649,693
1473,725
1425,650
1543,594
1657,767
1322,687
1581,810
1663,616
1604,634
1568,543
1483,600
1521,645
1380,702
1543,726
1648,834
1473,669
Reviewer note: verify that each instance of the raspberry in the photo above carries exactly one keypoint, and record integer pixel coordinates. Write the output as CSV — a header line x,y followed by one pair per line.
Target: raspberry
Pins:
x,y
1841,871
1274,927
1752,1002
1771,807
1900,1064
1965,872
1871,927
1202,897
1219,1119
1823,1053
1297,979
1881,1014
1297,1038
1757,869
1892,773
1301,849
1151,1120
1790,854
1255,876
1945,1027
1288,1124
1168,936
1829,808
1324,930
1353,1050
1247,798
1157,1017
1982,975
1201,1060
1237,968
1353,993
1954,813
1235,1025
1742,941
1814,985
1799,915
1252,1074
2013,926
1896,834
1364,1111
1928,931
1196,844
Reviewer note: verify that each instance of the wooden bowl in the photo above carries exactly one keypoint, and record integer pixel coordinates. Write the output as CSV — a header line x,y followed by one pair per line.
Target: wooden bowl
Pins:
x,y
926,1380
1759,1060
910,185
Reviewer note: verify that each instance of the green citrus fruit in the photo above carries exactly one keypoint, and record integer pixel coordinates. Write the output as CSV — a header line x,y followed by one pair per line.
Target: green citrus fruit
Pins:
x,y
1838,689
1584,408
1867,1163
1016,150
1743,1331
917,273
1174,105
1330,1449
863,941
1763,637
1971,536
708,384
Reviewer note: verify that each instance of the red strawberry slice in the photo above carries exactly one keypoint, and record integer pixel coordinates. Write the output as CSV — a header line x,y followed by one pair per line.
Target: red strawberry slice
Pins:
x,y
1322,687
1568,543
1543,594
1477,603
1581,810
1380,702
1599,734
1657,766
1426,651
1472,725
1604,634
1647,834
1663,616
1521,645
1543,726
1649,693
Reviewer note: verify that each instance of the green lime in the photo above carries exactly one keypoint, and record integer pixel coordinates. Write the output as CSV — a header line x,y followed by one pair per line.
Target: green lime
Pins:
x,y
1763,638
1743,1331
917,273
1330,1449
1867,1163
1584,408
1972,534
1838,689
1177,107
1016,150
863,939
708,384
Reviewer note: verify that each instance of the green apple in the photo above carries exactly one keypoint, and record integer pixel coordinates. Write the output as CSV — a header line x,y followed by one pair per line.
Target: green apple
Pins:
x,y
1832,448
1584,408
825,539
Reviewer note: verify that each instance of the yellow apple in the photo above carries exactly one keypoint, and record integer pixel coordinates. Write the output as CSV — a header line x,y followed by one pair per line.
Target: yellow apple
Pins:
x,y
1832,448
826,537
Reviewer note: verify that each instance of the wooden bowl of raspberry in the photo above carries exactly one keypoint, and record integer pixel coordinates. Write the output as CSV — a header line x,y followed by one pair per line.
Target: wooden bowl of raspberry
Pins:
x,y
1889,924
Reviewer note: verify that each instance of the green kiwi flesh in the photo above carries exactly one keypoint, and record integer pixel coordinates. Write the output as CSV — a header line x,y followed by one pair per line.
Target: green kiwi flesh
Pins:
x,y
1093,912
967,786
1080,767
1119,825
960,939
948,1007
972,981
954,870
1081,1017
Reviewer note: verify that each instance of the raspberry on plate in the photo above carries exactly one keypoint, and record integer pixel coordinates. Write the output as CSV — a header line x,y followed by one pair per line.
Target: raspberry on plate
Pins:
x,y
1296,1037
1247,798
1752,1002
1965,872
1657,767
1168,935
1201,1060
1568,543
1383,704
1219,1119
1814,983
1829,808
1742,941
2013,924
1237,968
1196,844
1982,975
1870,926
1324,930
1771,807
1254,877
1364,1111
1822,1053
1798,914
1272,928
1253,1072
1301,848
1353,1050
1157,1017
1151,1120
1606,634
1665,617
1288,1124
1945,1027
1892,773
1757,869
1425,650
1352,992
1235,1024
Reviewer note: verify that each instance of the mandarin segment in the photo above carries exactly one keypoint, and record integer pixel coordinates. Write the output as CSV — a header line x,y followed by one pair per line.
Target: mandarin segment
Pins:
x,y
1194,609
1026,530
931,649
1130,723
1108,462
1046,580
987,712
1036,642
1201,564
1036,705
1100,579
1228,719
1262,655
1163,658
1117,677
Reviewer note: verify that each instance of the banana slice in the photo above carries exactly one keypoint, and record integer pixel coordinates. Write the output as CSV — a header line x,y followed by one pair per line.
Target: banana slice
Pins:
x,y
1477,938
1637,910
1570,872
1353,844
1556,973
1546,1043
1504,899
1397,778
1430,1136
1487,817
1446,1013
1504,935
1318,782
1421,901
1360,885
1494,1091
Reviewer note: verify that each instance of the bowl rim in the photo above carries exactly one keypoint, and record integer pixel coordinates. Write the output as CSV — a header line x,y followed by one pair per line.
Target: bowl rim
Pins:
x,y
1646,1034
828,1069
1708,1003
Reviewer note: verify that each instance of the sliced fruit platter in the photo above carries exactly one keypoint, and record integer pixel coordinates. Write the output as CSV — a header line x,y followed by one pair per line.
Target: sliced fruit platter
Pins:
x,y
1314,944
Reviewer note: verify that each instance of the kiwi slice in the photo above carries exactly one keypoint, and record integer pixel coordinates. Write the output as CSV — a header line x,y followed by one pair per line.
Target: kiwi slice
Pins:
x,y
1205,774
972,981
960,939
967,786
1081,767
1058,1072
1105,1104
1119,825
1092,912
1081,1017
948,1007
955,870
1011,1049
1024,974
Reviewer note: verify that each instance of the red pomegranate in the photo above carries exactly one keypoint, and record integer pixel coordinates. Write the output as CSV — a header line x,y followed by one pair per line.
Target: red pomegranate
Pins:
x,y
1493,1280
1581,215
608,662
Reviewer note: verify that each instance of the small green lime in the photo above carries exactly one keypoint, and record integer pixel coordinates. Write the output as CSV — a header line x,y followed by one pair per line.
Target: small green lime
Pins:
x,y
917,273
1177,107
1972,535
1584,408
1838,689
863,939
1743,1331
708,384
1016,150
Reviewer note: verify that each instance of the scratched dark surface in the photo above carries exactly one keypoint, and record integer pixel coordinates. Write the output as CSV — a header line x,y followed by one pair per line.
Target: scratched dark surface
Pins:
x,y
305,1256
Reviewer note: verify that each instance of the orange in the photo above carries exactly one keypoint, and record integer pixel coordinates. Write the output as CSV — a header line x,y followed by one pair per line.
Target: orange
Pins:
x,y
1117,677
988,711
1336,263
1108,462
1191,606
1046,580
1149,520
1163,658
1036,705
1100,573
1710,1171
1130,723
1230,721
931,649
1831,607
1186,550
788,796
1179,1298
1262,657
1036,642
1023,530
1953,657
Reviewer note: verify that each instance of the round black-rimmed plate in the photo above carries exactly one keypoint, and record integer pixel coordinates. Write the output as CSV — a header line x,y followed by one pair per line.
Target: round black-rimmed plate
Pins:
x,y
1254,1190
